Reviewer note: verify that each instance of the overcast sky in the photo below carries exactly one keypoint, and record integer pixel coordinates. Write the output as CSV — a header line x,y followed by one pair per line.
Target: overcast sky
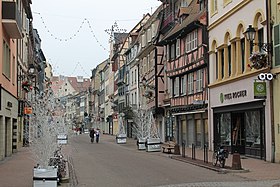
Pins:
x,y
73,53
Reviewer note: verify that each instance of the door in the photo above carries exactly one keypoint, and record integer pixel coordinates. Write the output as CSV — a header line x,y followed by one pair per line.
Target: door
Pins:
x,y
238,137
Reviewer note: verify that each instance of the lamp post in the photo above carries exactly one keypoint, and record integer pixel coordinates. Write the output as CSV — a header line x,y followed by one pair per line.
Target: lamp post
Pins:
x,y
250,35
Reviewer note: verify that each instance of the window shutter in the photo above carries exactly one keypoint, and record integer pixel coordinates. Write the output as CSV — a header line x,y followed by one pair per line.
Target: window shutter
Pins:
x,y
185,84
178,48
277,45
177,86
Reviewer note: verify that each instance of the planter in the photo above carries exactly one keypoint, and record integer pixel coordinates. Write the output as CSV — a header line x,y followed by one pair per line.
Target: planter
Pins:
x,y
62,139
153,145
45,177
141,143
121,139
258,60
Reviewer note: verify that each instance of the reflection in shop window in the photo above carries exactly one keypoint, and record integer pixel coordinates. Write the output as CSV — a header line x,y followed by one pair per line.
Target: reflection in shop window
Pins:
x,y
198,132
225,132
253,135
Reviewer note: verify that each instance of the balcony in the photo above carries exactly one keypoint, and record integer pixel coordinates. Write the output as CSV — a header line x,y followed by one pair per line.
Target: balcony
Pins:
x,y
11,19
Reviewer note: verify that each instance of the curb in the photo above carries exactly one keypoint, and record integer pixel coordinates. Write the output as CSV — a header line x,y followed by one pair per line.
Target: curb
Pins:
x,y
66,178
220,170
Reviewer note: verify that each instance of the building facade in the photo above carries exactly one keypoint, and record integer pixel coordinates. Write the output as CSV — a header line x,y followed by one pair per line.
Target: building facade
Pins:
x,y
187,74
275,20
239,118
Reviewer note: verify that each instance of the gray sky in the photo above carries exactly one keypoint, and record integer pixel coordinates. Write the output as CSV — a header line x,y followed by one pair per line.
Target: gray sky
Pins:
x,y
73,53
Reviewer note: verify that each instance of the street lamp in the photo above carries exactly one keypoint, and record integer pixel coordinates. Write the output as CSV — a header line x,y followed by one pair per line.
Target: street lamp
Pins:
x,y
250,35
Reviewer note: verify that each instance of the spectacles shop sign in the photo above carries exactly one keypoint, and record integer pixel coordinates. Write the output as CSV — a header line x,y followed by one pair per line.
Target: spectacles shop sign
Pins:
x,y
232,95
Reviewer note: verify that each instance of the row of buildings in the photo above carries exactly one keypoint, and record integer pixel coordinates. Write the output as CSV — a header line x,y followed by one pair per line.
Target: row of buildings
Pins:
x,y
26,77
208,69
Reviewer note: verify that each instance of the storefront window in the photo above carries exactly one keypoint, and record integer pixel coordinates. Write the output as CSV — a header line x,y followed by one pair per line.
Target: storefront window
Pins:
x,y
253,135
198,132
206,131
225,129
170,128
184,131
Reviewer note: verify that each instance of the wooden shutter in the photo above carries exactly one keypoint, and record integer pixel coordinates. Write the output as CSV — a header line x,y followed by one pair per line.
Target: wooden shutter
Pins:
x,y
277,45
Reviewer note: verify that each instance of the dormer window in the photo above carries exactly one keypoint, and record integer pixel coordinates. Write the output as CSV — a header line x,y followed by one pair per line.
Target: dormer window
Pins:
x,y
182,13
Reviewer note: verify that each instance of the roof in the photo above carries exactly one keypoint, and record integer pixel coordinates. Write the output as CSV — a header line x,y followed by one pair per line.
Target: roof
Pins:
x,y
57,82
193,16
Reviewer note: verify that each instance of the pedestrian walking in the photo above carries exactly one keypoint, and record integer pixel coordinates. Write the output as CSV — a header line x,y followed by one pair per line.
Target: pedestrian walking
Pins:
x,y
97,134
92,134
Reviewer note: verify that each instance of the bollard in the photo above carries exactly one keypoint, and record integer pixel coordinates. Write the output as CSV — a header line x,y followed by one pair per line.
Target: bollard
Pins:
x,y
193,151
183,149
205,153
236,161
177,149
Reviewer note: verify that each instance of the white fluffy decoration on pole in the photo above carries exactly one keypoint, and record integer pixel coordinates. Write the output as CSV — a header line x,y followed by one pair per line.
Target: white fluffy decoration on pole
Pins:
x,y
46,123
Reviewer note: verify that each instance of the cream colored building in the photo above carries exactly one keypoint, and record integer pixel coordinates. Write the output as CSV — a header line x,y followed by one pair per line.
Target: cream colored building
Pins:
x,y
275,17
238,119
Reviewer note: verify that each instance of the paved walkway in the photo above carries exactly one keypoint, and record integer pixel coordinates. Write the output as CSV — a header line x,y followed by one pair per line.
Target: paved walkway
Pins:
x,y
16,171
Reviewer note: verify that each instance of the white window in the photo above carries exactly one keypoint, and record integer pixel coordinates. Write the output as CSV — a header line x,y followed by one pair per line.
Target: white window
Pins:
x,y
148,60
132,98
154,30
172,51
145,64
177,82
149,35
6,59
169,86
183,85
191,41
184,3
190,83
178,48
167,52
199,78
132,77
143,40
135,74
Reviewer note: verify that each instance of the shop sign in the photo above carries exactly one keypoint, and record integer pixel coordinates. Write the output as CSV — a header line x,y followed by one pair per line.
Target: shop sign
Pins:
x,y
27,110
233,95
259,90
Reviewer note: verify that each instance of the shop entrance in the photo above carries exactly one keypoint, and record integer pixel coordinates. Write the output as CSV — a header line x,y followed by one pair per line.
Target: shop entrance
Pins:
x,y
238,137
241,131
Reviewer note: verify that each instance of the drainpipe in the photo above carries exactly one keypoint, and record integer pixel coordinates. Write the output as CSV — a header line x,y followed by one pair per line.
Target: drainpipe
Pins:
x,y
270,53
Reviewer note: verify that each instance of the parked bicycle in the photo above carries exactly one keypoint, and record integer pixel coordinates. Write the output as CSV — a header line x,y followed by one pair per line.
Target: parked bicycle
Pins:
x,y
219,156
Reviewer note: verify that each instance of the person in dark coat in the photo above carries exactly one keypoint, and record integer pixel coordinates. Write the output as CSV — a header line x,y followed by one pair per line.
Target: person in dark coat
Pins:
x,y
91,134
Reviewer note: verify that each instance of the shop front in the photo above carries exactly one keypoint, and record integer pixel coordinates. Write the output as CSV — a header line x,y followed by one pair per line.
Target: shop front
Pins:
x,y
191,125
240,118
240,128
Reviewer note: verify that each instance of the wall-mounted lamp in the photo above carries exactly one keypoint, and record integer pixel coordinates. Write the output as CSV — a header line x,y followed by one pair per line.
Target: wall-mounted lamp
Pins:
x,y
250,34
31,69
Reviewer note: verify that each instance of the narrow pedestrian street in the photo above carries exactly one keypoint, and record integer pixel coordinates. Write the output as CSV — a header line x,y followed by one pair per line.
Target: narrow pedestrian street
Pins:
x,y
110,164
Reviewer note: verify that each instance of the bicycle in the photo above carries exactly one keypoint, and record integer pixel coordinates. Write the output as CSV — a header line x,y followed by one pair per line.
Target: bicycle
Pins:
x,y
220,155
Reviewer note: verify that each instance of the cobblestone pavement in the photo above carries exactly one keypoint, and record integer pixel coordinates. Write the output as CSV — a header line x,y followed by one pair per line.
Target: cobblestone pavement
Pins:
x,y
265,183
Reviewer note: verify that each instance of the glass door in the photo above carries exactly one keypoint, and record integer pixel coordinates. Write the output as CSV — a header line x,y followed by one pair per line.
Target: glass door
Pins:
x,y
238,137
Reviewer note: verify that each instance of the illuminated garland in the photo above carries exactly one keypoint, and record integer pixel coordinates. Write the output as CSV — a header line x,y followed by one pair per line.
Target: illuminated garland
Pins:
x,y
85,20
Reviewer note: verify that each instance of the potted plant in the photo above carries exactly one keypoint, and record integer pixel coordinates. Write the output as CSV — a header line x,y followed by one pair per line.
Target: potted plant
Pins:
x,y
26,85
258,60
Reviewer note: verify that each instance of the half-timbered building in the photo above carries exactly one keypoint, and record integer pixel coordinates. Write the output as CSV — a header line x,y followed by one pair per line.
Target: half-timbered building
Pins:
x,y
185,51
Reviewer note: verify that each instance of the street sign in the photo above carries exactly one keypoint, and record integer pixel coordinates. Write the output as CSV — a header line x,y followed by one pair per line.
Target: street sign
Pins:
x,y
259,90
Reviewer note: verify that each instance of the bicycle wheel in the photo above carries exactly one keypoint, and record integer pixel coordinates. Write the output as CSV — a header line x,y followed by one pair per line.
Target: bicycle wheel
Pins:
x,y
222,163
214,159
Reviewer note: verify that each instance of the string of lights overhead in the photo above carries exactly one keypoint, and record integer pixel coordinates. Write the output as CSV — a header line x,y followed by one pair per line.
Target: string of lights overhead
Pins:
x,y
85,20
